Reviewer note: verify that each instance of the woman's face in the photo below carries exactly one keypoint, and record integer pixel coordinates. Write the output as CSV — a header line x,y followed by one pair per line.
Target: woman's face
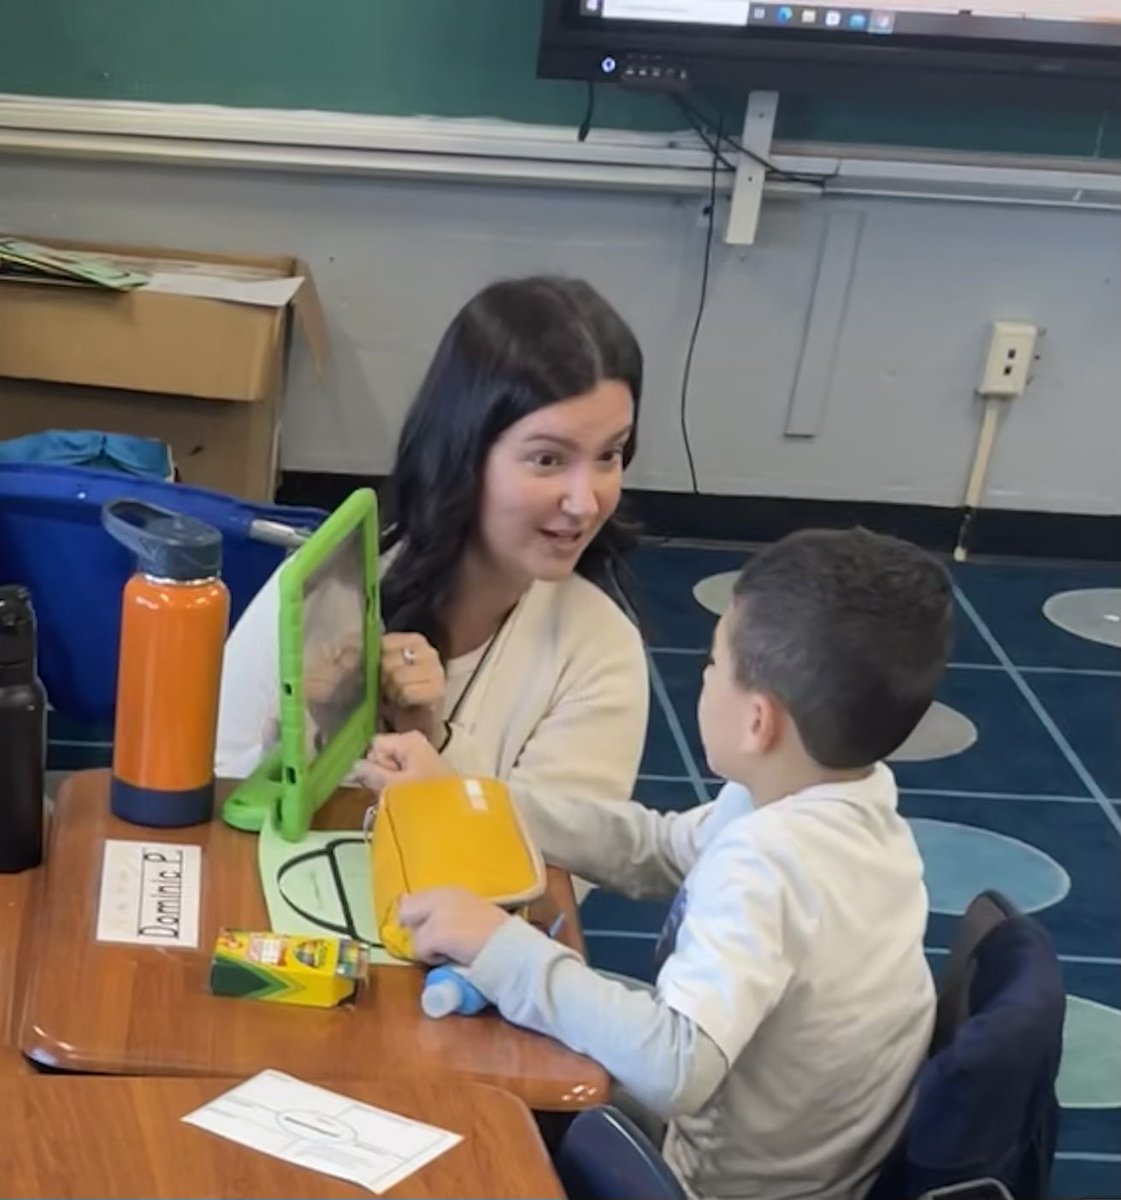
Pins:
x,y
551,480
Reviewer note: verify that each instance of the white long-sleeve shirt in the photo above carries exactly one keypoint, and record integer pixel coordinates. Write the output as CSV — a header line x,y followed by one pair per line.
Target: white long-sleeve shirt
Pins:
x,y
559,705
793,1004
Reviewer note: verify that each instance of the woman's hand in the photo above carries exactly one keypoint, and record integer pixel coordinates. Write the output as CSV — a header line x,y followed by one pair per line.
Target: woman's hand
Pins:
x,y
412,685
330,666
399,758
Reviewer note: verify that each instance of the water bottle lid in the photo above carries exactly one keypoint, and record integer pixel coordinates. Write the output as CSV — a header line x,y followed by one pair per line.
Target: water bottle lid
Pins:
x,y
17,625
440,997
167,544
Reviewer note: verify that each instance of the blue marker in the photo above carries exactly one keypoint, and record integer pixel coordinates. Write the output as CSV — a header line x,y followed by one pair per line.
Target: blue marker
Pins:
x,y
446,991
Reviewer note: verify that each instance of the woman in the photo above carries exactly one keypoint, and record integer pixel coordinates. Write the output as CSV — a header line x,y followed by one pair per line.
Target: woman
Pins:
x,y
504,644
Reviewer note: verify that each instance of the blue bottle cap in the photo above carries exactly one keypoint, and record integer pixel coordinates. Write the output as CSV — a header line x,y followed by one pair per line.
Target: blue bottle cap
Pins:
x,y
167,545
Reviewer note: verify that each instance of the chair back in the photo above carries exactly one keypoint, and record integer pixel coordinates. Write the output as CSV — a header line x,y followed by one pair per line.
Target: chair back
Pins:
x,y
605,1156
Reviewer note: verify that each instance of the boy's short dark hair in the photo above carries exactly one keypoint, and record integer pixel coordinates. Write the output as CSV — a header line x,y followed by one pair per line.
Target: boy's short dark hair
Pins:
x,y
850,631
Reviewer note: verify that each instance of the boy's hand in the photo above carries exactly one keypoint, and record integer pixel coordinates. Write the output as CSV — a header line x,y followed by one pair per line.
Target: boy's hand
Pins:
x,y
400,757
449,924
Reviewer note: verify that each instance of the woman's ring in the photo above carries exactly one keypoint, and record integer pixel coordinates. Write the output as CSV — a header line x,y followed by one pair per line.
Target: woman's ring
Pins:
x,y
408,656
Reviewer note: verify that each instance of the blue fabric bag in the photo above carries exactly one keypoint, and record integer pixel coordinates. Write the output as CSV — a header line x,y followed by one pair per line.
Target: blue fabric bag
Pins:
x,y
146,457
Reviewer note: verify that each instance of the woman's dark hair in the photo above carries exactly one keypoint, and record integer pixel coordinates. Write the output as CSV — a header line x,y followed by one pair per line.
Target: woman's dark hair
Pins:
x,y
518,346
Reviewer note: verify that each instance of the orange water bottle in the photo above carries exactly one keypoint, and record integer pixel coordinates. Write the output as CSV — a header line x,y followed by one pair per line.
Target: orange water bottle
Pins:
x,y
174,617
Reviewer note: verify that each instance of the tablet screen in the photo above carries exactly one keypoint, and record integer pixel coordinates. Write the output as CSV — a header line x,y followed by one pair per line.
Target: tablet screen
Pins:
x,y
335,653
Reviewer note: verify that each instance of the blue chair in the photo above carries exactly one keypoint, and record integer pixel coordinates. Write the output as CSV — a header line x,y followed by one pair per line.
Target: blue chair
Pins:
x,y
605,1156
984,913
986,1115
52,542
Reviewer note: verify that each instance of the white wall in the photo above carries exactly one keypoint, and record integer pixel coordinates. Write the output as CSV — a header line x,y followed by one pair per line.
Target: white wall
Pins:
x,y
394,259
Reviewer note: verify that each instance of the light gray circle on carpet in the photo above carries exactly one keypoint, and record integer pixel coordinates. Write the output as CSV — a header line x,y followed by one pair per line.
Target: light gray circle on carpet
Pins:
x,y
715,592
1090,613
942,733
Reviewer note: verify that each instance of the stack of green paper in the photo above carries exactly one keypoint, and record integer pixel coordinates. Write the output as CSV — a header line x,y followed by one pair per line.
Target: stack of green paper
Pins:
x,y
33,263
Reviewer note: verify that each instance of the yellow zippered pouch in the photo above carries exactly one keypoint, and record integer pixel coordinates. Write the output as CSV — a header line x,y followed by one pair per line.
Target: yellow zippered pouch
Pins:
x,y
450,832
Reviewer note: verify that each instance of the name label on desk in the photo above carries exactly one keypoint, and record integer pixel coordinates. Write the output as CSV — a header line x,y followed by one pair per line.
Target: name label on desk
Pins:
x,y
150,894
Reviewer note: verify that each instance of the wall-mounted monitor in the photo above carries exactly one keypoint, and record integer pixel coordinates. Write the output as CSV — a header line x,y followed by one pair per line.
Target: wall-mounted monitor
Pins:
x,y
1045,52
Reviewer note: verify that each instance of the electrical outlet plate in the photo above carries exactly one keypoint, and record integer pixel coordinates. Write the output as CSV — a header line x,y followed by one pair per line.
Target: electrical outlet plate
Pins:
x,y
1008,361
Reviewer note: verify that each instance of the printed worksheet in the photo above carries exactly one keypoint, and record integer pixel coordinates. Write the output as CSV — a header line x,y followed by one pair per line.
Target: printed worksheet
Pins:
x,y
324,1131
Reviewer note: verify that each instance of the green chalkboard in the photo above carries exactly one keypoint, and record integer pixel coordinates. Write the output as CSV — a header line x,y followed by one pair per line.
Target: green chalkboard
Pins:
x,y
437,57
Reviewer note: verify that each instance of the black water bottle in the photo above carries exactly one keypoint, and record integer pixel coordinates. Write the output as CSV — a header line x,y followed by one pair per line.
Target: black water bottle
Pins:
x,y
23,736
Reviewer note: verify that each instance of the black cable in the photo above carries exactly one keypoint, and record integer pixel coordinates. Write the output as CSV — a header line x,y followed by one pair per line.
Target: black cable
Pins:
x,y
695,117
702,133
779,174
589,113
687,372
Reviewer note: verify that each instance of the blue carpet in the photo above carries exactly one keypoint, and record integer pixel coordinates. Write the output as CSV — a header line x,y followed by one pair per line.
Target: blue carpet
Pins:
x,y
1025,808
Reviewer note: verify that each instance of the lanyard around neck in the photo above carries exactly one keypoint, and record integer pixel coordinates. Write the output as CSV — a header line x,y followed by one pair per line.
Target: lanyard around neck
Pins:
x,y
477,670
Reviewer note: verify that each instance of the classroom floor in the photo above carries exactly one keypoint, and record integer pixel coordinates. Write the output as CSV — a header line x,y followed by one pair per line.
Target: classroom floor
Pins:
x,y
1014,782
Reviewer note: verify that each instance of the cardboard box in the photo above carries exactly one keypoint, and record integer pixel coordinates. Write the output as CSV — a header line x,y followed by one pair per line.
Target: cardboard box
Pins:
x,y
195,358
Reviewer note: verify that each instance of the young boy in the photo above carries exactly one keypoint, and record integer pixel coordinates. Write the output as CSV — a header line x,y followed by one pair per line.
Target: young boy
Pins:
x,y
793,1005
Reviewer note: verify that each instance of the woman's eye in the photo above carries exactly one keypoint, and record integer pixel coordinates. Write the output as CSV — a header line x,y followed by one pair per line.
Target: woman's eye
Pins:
x,y
546,459
612,456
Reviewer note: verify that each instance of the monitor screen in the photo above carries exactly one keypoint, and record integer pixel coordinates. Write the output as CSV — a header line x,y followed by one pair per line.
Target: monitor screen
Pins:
x,y
1043,51
1052,21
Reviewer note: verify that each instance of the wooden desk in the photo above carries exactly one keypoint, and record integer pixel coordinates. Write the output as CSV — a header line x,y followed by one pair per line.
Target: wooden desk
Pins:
x,y
115,1009
88,1136
18,894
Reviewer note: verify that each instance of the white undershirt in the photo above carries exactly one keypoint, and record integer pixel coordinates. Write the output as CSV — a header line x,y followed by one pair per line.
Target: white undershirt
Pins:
x,y
457,676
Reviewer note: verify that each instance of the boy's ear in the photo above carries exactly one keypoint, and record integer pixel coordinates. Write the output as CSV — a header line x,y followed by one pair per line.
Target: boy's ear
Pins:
x,y
763,723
